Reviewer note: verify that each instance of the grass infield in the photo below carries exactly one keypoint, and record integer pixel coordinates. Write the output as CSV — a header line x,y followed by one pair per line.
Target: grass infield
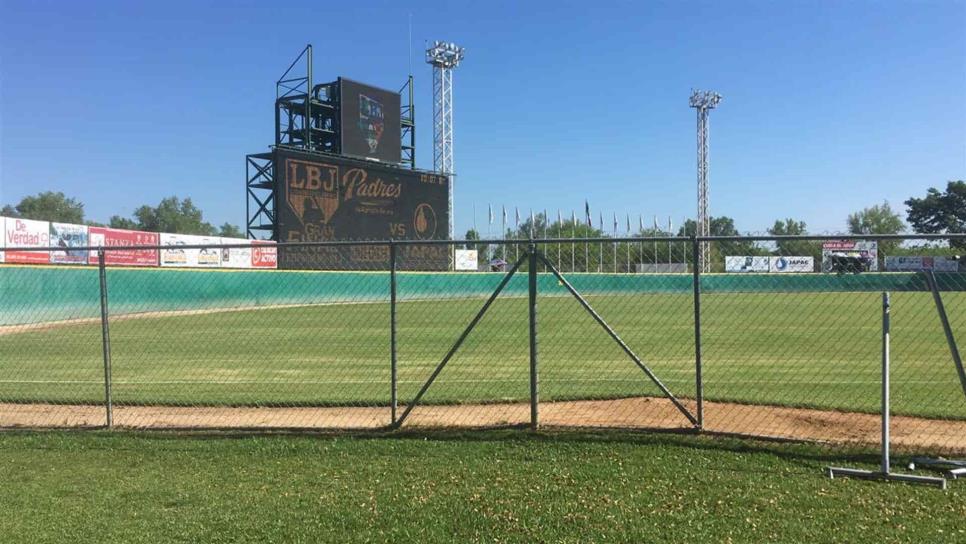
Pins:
x,y
483,487
817,350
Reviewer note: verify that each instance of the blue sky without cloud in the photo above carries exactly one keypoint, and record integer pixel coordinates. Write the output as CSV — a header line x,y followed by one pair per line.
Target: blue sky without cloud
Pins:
x,y
828,106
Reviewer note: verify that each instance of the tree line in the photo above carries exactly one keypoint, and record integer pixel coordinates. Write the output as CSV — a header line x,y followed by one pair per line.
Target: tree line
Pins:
x,y
938,212
172,215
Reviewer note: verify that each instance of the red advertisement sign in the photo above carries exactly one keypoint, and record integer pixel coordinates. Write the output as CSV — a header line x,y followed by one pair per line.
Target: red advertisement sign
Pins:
x,y
27,233
108,237
264,254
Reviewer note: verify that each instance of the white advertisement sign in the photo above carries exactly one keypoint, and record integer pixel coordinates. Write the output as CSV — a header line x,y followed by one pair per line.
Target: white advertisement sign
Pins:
x,y
180,257
466,260
746,264
26,233
236,257
911,264
791,264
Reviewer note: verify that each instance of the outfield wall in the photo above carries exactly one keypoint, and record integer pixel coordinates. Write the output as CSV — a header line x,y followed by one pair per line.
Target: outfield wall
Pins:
x,y
34,294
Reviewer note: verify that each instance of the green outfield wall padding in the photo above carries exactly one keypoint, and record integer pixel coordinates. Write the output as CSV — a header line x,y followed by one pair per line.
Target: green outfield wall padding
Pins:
x,y
33,294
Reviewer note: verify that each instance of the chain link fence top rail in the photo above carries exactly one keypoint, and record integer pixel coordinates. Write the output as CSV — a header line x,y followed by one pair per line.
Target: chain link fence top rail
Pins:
x,y
626,336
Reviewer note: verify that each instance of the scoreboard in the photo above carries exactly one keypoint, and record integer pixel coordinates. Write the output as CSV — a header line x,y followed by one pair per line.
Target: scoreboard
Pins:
x,y
328,198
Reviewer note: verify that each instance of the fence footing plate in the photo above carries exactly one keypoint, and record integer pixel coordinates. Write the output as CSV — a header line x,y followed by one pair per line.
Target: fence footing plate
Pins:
x,y
833,472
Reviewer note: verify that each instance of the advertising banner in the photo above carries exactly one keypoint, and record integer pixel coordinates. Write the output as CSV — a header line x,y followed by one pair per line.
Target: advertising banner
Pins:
x,y
746,264
466,260
264,254
913,264
3,239
67,236
26,233
791,264
207,257
108,237
866,251
236,257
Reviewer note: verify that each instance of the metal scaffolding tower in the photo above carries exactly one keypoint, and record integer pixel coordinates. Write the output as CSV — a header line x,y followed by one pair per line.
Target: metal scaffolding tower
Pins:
x,y
444,57
703,101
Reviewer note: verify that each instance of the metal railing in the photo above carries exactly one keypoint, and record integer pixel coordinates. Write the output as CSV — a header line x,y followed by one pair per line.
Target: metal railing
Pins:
x,y
552,339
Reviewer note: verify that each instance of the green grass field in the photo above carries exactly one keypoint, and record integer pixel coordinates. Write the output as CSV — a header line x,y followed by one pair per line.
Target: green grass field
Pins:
x,y
482,487
801,349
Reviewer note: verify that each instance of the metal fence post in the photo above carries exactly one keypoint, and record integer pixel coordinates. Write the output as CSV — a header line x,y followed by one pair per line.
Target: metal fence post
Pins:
x,y
885,383
393,376
534,385
105,338
698,380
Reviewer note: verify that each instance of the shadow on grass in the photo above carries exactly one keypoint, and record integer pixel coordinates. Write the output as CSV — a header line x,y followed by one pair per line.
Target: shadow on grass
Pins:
x,y
806,454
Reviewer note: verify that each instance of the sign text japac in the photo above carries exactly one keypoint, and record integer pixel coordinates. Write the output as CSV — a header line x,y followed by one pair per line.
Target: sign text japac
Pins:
x,y
326,198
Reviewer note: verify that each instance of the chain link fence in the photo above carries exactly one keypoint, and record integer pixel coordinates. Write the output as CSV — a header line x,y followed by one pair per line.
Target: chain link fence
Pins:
x,y
783,339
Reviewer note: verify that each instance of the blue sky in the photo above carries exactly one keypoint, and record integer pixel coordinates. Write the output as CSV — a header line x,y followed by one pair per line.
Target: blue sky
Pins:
x,y
828,107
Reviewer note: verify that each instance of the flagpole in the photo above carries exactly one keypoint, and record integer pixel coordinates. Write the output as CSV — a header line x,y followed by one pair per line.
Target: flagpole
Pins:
x,y
573,245
615,242
670,233
640,221
600,264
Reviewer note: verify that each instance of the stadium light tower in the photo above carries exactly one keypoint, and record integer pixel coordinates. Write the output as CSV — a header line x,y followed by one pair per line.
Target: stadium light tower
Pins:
x,y
703,101
444,57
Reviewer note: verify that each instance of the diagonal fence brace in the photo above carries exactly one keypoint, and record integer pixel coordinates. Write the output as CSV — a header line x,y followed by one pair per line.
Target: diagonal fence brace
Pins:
x,y
461,339
630,353
941,308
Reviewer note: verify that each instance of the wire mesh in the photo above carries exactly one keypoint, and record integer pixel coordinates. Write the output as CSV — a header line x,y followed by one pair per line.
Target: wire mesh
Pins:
x,y
377,335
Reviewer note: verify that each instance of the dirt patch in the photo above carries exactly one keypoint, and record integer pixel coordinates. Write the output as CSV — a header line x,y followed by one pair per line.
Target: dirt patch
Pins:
x,y
631,413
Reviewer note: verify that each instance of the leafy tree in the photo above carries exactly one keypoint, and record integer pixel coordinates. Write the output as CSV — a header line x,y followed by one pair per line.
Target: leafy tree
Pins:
x,y
791,227
879,219
173,215
118,222
230,231
48,206
721,226
940,212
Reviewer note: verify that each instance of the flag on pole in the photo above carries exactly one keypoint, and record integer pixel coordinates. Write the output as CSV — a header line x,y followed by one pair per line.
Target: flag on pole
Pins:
x,y
587,213
628,223
559,220
546,222
517,212
670,228
532,223
490,208
656,227
615,223
640,220
573,220
601,221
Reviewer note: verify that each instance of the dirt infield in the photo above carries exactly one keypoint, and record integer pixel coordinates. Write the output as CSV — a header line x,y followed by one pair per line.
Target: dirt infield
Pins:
x,y
631,413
